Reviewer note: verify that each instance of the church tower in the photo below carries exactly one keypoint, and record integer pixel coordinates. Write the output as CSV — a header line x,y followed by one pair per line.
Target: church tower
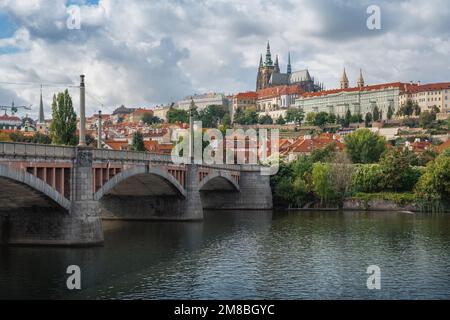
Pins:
x,y
265,70
41,118
277,66
344,81
360,80
289,68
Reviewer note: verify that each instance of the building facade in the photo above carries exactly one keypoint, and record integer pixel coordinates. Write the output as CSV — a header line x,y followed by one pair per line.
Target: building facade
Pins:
x,y
428,96
202,101
359,100
243,101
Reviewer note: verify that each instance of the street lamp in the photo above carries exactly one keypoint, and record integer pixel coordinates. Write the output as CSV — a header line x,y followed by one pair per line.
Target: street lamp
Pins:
x,y
82,142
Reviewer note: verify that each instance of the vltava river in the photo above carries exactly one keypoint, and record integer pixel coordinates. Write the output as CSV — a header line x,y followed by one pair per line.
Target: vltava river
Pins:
x,y
245,255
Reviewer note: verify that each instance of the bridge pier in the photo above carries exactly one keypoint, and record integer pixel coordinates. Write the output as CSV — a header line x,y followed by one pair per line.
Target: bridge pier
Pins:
x,y
157,207
254,193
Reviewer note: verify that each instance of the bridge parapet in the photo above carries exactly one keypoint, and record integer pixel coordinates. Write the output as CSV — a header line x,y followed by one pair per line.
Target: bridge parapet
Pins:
x,y
36,151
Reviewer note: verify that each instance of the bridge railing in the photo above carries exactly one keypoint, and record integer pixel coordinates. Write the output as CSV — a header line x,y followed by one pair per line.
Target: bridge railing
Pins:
x,y
123,155
20,149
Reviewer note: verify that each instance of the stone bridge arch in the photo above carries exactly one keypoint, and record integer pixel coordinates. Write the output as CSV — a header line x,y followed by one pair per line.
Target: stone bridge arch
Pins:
x,y
143,177
32,190
218,180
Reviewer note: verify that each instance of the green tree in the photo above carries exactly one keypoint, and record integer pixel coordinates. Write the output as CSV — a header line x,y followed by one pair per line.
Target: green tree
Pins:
x,y
280,120
434,184
321,119
390,112
367,178
363,146
356,118
138,142
212,115
341,171
406,109
250,116
325,154
148,118
331,118
397,174
177,115
426,119
321,177
368,119
226,120
295,115
376,114
63,128
265,119
348,118
310,118
417,109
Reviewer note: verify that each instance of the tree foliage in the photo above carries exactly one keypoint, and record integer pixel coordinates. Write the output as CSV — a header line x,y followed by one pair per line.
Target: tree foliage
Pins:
x,y
434,184
138,142
177,115
363,146
295,115
63,128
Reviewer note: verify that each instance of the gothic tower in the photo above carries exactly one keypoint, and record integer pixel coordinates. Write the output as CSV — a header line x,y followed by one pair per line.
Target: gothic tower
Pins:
x,y
265,70
360,80
289,68
344,81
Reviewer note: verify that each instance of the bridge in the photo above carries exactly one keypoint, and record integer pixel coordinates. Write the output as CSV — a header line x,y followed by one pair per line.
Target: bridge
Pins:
x,y
58,195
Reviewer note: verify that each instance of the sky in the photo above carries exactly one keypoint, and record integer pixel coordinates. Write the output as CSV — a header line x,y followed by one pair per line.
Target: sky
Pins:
x,y
146,53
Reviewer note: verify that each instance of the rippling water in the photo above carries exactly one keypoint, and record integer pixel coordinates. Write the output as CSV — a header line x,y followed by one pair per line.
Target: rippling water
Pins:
x,y
245,255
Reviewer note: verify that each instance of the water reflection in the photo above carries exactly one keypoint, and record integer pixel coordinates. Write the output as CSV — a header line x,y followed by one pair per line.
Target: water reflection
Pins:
x,y
250,254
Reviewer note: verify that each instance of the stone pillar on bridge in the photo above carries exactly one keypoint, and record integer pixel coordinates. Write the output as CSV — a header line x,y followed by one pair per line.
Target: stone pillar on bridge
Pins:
x,y
85,225
191,208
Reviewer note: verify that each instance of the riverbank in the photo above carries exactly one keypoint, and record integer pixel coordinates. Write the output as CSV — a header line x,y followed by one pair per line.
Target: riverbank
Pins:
x,y
383,201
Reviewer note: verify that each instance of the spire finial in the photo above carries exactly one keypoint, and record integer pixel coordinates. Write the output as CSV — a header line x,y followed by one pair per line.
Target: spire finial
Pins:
x,y
289,68
41,110
361,79
268,61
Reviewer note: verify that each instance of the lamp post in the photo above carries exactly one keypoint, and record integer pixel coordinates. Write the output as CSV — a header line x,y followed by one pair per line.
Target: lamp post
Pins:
x,y
191,131
82,140
99,139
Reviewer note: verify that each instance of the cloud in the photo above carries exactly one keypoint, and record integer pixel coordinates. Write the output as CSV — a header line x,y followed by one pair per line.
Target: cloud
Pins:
x,y
141,53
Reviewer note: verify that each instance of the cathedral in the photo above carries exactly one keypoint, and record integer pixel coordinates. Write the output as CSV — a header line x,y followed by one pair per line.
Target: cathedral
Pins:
x,y
269,75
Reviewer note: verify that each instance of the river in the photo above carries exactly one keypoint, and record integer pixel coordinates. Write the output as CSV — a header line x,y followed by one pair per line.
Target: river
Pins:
x,y
245,255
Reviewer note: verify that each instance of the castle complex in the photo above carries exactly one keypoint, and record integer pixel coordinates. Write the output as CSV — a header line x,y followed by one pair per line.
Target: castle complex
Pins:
x,y
269,75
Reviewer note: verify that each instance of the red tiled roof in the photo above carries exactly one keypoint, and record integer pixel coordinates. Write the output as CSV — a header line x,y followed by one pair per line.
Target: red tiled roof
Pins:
x,y
428,87
246,95
117,145
302,145
9,118
400,85
278,91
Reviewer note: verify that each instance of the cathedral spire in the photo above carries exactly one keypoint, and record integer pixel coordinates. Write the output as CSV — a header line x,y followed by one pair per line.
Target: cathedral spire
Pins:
x,y
268,61
344,80
277,66
289,68
41,110
260,61
361,79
